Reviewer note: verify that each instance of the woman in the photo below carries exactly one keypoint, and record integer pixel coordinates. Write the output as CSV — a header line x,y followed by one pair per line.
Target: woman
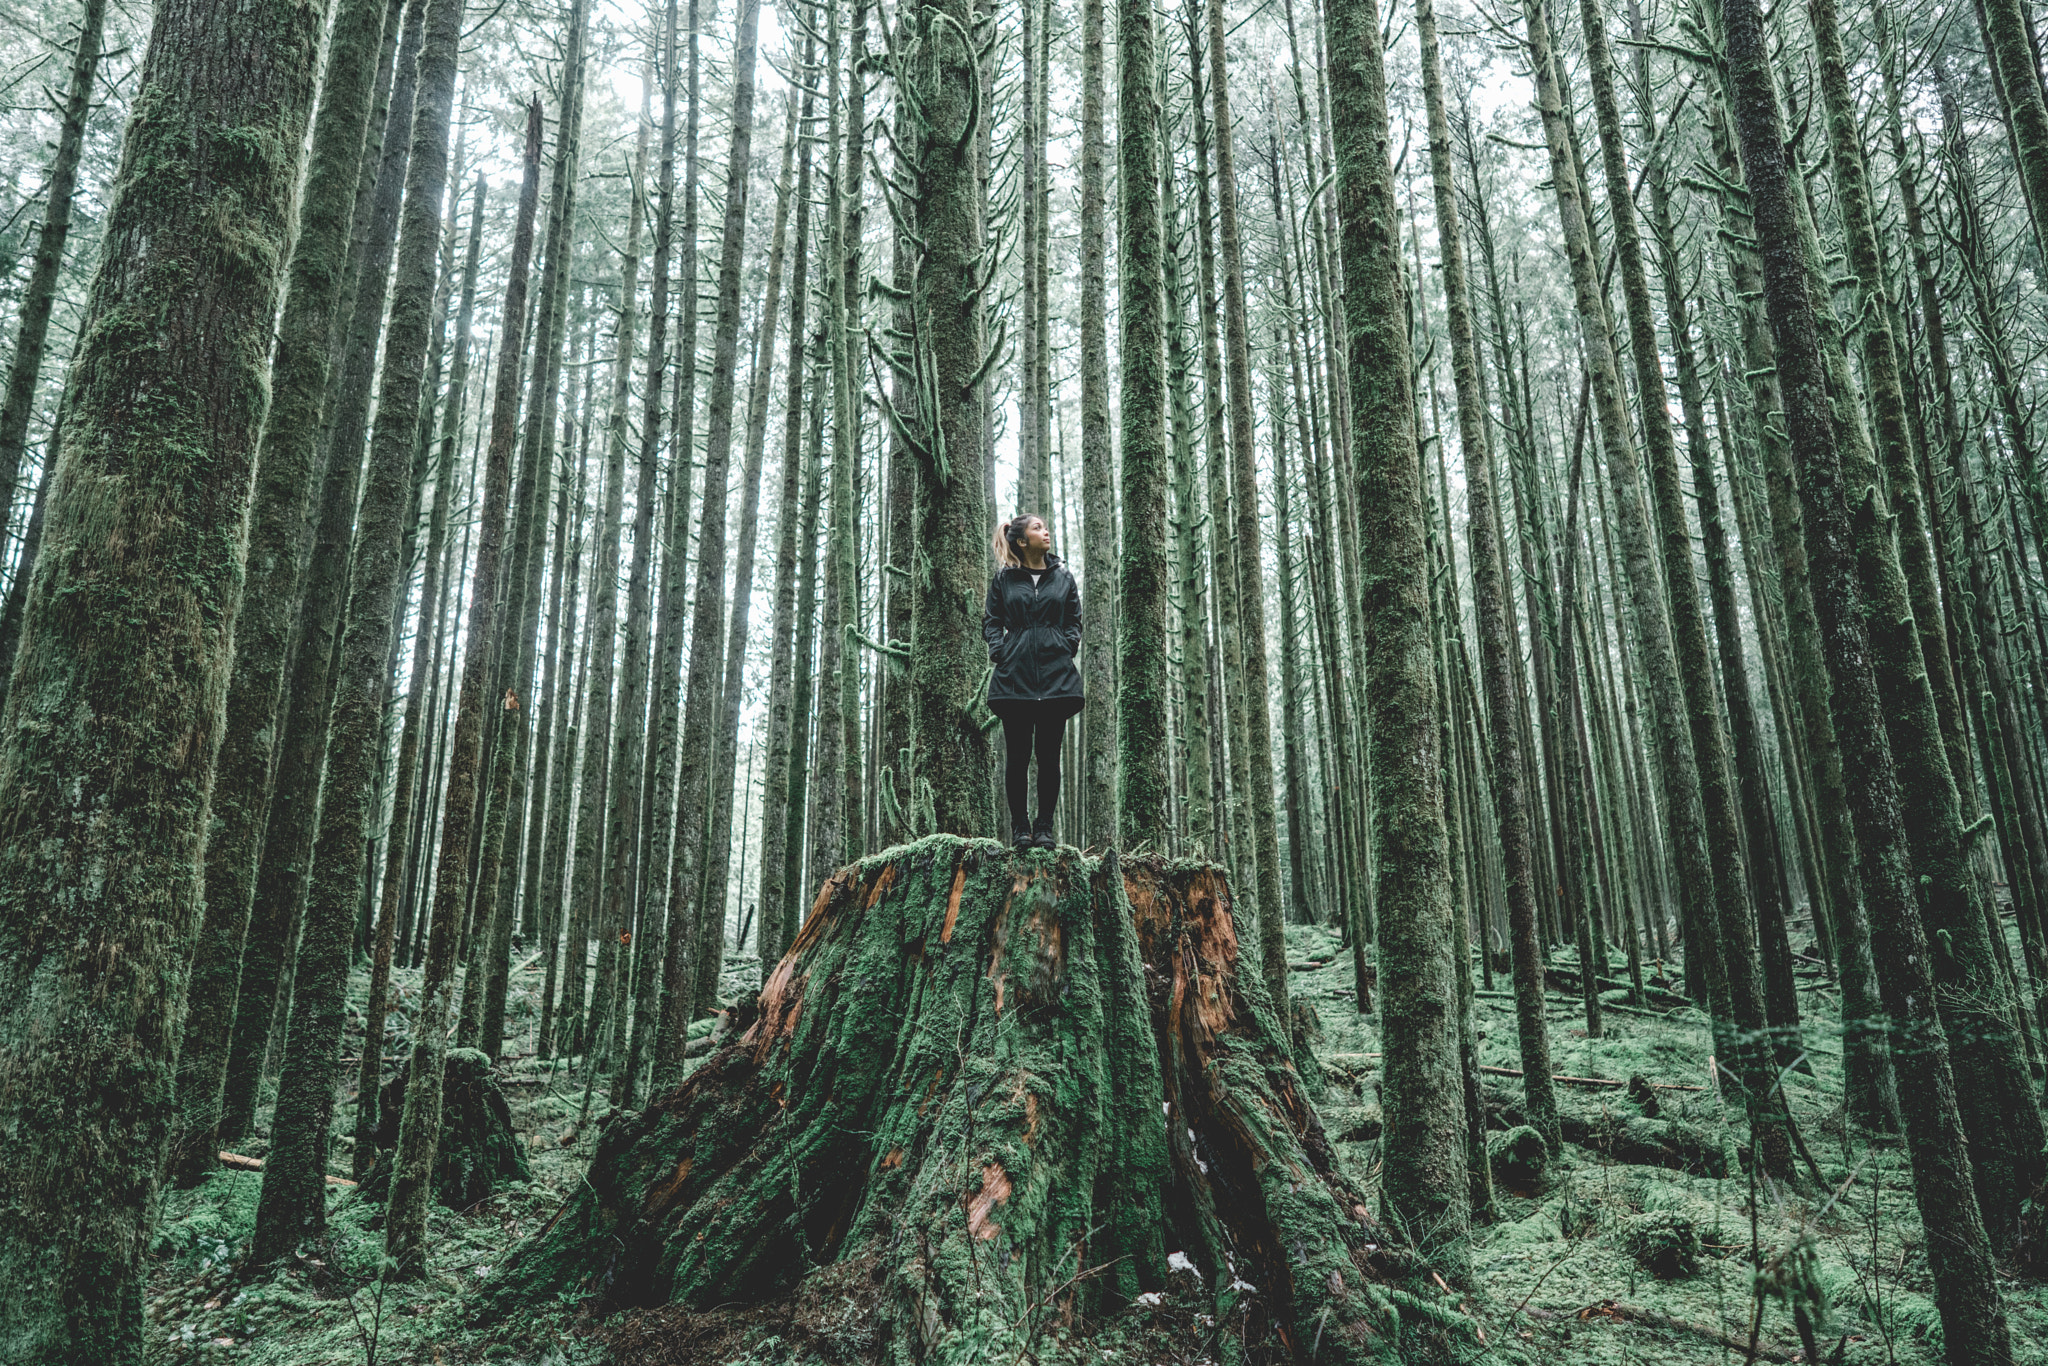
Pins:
x,y
1032,623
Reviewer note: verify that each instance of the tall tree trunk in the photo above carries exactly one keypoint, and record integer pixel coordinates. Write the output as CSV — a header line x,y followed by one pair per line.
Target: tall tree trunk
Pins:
x,y
513,647
657,827
622,876
1499,667
1735,910
1966,1289
1423,1190
419,1130
288,832
286,471
784,699
1098,811
565,583
718,851
1675,744
686,912
1872,1096
1191,576
1143,768
1233,844
603,786
293,1202
1910,655
1250,586
829,815
426,667
111,733
949,744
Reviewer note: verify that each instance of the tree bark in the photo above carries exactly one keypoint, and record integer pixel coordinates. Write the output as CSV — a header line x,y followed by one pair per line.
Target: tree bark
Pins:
x,y
1966,1289
1499,668
1250,586
693,796
286,471
1423,1190
109,737
1144,771
293,1203
419,1127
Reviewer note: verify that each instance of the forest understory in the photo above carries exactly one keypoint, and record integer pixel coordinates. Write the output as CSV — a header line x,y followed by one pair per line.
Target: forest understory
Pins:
x,y
1646,1241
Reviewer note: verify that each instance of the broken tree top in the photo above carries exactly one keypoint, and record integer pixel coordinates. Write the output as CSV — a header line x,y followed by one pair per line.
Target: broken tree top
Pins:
x,y
1001,1091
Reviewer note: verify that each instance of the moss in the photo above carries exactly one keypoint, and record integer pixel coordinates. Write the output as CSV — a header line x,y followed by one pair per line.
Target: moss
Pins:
x,y
1662,1243
1519,1156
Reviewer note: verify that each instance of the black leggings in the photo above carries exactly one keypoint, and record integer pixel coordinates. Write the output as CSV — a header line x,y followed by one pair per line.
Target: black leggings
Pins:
x,y
1029,726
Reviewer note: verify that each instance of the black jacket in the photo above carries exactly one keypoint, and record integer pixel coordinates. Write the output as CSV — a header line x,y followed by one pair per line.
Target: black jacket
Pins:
x,y
1032,634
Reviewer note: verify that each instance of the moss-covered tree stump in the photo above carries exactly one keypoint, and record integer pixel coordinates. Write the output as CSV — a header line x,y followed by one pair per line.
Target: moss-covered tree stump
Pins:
x,y
1016,1086
478,1146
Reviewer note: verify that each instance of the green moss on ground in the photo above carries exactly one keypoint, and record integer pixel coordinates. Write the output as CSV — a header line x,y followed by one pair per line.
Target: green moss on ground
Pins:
x,y
1553,1276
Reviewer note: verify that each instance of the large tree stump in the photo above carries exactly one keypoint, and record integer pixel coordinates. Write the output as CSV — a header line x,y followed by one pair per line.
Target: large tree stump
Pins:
x,y
1015,1086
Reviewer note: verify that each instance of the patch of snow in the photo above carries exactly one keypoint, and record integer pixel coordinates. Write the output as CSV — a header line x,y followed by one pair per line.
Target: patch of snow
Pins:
x,y
1178,1261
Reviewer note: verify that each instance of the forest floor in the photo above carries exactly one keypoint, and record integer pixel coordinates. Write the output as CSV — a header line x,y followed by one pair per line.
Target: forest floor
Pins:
x,y
1554,1279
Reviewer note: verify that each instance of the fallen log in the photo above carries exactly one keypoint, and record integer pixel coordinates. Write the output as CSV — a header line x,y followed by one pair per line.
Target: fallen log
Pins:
x,y
1589,1081
255,1164
1651,1318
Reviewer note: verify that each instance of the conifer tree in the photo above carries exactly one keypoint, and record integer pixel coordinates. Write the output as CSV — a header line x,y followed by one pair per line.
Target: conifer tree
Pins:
x,y
124,663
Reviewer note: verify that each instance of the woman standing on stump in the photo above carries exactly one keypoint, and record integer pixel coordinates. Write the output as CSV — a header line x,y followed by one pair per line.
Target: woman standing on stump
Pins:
x,y
1032,623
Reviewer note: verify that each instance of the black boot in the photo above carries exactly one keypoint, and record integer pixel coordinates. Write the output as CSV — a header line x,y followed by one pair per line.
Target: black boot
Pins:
x,y
1021,838
1041,833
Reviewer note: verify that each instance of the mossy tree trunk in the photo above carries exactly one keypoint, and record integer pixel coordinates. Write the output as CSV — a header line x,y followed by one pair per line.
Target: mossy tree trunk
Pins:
x,y
1999,1105
1097,759
1734,919
1245,530
1191,560
286,472
419,1126
1966,1289
596,822
114,723
1499,668
1144,770
623,874
687,899
1424,1188
717,866
778,819
950,752
1051,1070
305,702
487,935
294,1197
1872,1094
428,646
657,827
